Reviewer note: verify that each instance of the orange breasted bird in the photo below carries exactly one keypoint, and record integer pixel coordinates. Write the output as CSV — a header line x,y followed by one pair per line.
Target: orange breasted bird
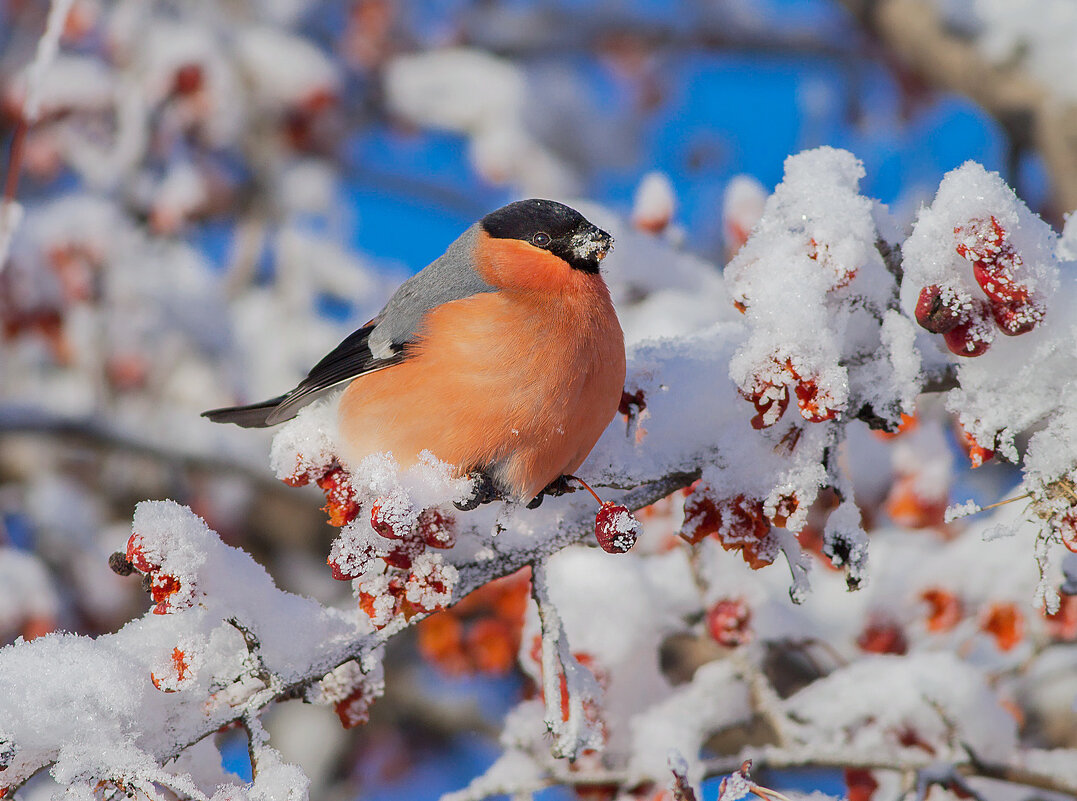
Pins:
x,y
503,357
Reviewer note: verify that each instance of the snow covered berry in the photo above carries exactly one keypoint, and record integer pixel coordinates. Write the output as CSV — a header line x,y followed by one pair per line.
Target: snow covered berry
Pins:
x,y
938,309
615,528
973,336
438,530
1016,317
340,502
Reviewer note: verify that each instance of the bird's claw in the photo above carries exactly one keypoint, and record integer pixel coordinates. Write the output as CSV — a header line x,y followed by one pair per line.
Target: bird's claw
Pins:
x,y
483,490
559,486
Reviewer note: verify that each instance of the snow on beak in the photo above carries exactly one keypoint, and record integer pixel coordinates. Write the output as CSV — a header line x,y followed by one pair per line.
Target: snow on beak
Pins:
x,y
592,243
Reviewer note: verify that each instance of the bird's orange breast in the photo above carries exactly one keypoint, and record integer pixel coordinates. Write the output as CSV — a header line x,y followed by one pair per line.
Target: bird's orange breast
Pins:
x,y
520,382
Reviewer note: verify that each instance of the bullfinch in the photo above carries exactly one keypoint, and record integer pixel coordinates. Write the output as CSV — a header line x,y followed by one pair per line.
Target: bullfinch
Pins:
x,y
503,357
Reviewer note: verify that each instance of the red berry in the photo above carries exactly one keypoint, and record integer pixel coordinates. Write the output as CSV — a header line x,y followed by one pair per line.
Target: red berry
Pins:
x,y
351,562
354,710
860,784
615,528
187,79
436,529
728,622
785,508
944,609
162,589
340,503
997,278
938,310
404,554
812,408
381,522
137,557
883,637
971,337
770,404
1016,318
981,240
702,517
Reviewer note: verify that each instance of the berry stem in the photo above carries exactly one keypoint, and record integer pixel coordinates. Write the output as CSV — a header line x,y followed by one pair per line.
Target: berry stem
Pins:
x,y
587,487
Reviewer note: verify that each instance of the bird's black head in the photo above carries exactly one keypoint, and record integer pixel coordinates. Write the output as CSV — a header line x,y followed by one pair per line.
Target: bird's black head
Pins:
x,y
551,226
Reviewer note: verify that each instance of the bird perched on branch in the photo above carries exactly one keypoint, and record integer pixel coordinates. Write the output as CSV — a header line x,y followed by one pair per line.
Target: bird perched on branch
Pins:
x,y
503,357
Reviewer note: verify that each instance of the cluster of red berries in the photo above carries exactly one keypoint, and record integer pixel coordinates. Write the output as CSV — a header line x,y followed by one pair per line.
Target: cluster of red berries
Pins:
x,y
334,481
769,394
966,323
404,584
408,585
738,523
163,587
351,693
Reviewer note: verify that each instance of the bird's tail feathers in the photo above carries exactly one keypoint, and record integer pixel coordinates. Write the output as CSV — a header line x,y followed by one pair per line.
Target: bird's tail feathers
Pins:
x,y
255,415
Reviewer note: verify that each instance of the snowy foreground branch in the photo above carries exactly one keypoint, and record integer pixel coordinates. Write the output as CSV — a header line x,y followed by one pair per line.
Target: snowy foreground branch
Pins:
x,y
765,414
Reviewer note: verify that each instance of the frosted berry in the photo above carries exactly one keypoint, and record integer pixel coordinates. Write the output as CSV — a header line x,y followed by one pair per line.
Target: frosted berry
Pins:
x,y
162,589
997,279
436,529
812,403
137,557
354,710
340,502
347,563
770,404
970,338
980,240
701,518
937,310
785,508
728,622
404,554
381,522
615,528
1016,318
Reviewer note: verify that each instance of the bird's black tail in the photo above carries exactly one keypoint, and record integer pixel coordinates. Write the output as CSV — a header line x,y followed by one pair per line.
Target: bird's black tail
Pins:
x,y
256,415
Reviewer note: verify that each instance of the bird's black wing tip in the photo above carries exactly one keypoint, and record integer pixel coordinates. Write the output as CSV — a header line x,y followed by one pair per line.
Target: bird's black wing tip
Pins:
x,y
255,415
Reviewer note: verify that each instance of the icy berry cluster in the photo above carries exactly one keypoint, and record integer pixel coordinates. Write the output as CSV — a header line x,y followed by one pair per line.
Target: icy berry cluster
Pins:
x,y
771,389
395,573
164,588
968,324
738,523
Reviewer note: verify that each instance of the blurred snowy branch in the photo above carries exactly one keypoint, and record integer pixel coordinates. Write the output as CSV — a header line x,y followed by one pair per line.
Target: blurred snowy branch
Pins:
x,y
1027,85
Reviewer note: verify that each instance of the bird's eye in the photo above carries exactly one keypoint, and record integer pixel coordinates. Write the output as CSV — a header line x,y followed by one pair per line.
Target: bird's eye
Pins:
x,y
541,239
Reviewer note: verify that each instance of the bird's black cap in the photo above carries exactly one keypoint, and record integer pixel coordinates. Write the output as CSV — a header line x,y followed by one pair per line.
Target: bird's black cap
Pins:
x,y
570,236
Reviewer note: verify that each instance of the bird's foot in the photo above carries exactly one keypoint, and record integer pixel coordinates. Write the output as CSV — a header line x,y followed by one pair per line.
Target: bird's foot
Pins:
x,y
483,490
559,486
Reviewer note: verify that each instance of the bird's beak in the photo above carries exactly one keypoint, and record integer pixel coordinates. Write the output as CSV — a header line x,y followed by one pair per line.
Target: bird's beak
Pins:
x,y
593,243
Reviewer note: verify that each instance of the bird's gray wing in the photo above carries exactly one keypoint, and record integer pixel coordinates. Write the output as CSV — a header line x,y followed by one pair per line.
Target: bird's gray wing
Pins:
x,y
378,345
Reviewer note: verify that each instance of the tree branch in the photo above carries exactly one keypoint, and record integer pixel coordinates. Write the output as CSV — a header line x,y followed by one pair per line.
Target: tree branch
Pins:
x,y
1031,114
